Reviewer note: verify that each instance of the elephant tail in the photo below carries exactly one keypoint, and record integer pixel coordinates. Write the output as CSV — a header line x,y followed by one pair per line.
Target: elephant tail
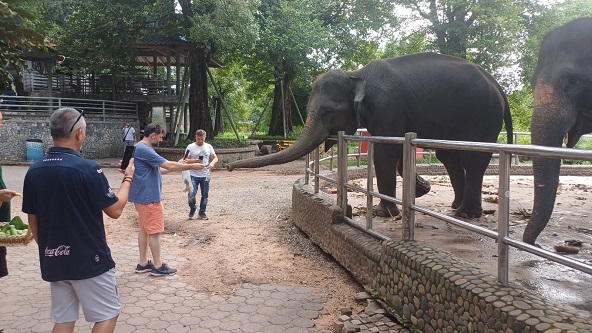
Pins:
x,y
508,121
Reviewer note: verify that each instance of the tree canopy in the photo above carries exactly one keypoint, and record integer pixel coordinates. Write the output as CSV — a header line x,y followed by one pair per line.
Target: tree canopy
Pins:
x,y
273,49
18,33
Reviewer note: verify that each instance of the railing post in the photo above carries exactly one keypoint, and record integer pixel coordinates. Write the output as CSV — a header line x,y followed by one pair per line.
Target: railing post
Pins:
x,y
341,171
369,184
306,173
331,159
104,116
408,216
317,161
503,217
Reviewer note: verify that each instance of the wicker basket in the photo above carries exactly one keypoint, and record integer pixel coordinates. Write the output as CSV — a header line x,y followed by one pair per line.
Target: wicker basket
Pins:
x,y
16,240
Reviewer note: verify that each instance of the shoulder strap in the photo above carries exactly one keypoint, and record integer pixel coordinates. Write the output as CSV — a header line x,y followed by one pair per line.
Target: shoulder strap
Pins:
x,y
129,128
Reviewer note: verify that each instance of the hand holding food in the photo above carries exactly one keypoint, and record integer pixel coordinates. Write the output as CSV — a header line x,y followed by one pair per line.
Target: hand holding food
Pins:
x,y
7,195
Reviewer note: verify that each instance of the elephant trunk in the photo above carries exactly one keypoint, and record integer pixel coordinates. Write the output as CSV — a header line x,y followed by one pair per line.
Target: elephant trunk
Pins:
x,y
311,138
551,120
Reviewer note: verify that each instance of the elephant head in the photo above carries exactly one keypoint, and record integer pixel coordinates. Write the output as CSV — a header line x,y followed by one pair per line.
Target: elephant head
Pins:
x,y
562,85
330,109
335,104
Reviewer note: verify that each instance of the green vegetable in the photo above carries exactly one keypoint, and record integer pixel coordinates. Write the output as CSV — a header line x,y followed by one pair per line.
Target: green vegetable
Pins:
x,y
18,223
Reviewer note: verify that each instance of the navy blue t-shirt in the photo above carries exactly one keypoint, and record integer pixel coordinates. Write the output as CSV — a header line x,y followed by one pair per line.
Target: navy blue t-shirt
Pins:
x,y
68,193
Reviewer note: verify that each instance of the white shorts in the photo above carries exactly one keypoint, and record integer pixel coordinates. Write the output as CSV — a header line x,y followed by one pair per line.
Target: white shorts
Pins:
x,y
97,296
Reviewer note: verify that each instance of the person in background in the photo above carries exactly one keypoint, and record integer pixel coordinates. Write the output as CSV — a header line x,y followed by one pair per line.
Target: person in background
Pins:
x,y
146,194
200,152
65,196
5,197
129,135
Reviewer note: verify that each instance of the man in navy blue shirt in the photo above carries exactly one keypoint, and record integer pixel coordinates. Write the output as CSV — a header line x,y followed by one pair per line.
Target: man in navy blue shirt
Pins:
x,y
65,196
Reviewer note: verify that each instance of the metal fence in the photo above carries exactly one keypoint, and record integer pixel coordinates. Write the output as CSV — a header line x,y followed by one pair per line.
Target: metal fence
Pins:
x,y
409,208
36,105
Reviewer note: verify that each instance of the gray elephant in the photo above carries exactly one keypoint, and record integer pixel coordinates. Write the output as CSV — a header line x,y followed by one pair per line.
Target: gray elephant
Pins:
x,y
436,96
562,84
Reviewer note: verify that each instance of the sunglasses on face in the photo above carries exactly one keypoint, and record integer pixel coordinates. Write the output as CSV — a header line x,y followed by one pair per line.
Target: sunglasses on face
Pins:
x,y
77,120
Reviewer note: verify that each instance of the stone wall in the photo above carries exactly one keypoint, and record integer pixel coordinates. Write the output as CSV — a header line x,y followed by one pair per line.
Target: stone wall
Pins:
x,y
422,287
103,137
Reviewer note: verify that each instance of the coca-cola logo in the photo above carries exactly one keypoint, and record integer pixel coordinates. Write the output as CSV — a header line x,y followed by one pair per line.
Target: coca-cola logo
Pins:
x,y
62,250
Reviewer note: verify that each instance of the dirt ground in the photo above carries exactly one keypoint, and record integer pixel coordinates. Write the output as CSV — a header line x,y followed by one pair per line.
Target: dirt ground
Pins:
x,y
249,237
571,220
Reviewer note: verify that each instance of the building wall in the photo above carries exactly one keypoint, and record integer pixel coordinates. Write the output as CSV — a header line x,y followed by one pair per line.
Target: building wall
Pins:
x,y
103,138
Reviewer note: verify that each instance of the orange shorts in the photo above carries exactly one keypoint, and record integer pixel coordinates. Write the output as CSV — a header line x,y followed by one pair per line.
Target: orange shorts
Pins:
x,y
151,217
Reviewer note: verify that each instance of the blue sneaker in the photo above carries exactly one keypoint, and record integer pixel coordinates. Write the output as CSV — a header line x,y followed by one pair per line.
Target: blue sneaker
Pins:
x,y
143,269
164,270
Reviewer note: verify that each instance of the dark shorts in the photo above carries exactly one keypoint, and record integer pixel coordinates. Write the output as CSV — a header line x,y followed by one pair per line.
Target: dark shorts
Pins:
x,y
3,266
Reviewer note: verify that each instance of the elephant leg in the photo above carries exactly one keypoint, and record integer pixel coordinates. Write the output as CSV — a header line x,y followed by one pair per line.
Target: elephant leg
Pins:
x,y
475,164
386,158
422,186
453,165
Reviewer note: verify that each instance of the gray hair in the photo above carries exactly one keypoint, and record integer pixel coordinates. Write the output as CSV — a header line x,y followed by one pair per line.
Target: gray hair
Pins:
x,y
62,120
200,132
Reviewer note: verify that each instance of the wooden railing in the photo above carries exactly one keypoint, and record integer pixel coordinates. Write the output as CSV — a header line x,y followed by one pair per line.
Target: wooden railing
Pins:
x,y
104,108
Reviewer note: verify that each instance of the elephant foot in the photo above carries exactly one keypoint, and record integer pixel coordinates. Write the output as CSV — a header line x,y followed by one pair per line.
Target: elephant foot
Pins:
x,y
455,204
386,210
422,187
469,213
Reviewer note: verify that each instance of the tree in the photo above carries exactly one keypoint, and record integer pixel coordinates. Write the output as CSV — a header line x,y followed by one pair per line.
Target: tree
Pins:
x,y
98,36
17,35
212,26
485,32
304,37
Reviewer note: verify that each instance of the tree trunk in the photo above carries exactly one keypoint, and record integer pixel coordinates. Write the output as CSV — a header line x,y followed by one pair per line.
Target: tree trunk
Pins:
x,y
281,105
199,110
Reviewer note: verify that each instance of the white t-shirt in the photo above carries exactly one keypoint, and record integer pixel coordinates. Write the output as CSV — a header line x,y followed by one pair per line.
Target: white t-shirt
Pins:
x,y
206,150
129,136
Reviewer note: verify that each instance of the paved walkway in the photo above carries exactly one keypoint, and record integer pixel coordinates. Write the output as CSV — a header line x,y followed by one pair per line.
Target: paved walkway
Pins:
x,y
159,304
166,304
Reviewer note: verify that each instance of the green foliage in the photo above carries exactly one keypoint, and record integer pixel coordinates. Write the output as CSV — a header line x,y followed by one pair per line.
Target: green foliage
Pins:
x,y
521,107
544,19
220,25
98,36
18,20
484,32
411,44
291,136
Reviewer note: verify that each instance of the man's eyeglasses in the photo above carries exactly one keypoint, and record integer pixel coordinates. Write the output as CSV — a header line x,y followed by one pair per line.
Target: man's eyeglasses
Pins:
x,y
77,120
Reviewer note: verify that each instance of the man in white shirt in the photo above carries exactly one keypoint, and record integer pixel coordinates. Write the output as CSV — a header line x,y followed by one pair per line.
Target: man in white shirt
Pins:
x,y
129,135
200,152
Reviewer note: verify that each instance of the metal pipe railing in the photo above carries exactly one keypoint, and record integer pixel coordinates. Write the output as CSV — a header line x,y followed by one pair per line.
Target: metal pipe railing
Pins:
x,y
410,143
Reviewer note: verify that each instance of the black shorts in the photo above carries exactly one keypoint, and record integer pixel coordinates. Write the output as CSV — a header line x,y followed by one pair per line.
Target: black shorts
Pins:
x,y
3,267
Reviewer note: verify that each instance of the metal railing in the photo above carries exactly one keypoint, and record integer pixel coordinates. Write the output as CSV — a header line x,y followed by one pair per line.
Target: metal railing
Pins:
x,y
35,105
407,202
430,154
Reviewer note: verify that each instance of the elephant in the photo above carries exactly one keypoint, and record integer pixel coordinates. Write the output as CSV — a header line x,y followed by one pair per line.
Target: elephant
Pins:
x,y
434,95
562,86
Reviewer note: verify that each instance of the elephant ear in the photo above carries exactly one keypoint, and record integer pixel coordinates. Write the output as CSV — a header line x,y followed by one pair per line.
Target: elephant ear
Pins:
x,y
359,91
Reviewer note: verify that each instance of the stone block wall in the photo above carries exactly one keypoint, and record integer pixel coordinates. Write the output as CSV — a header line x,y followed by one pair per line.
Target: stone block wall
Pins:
x,y
103,137
424,288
